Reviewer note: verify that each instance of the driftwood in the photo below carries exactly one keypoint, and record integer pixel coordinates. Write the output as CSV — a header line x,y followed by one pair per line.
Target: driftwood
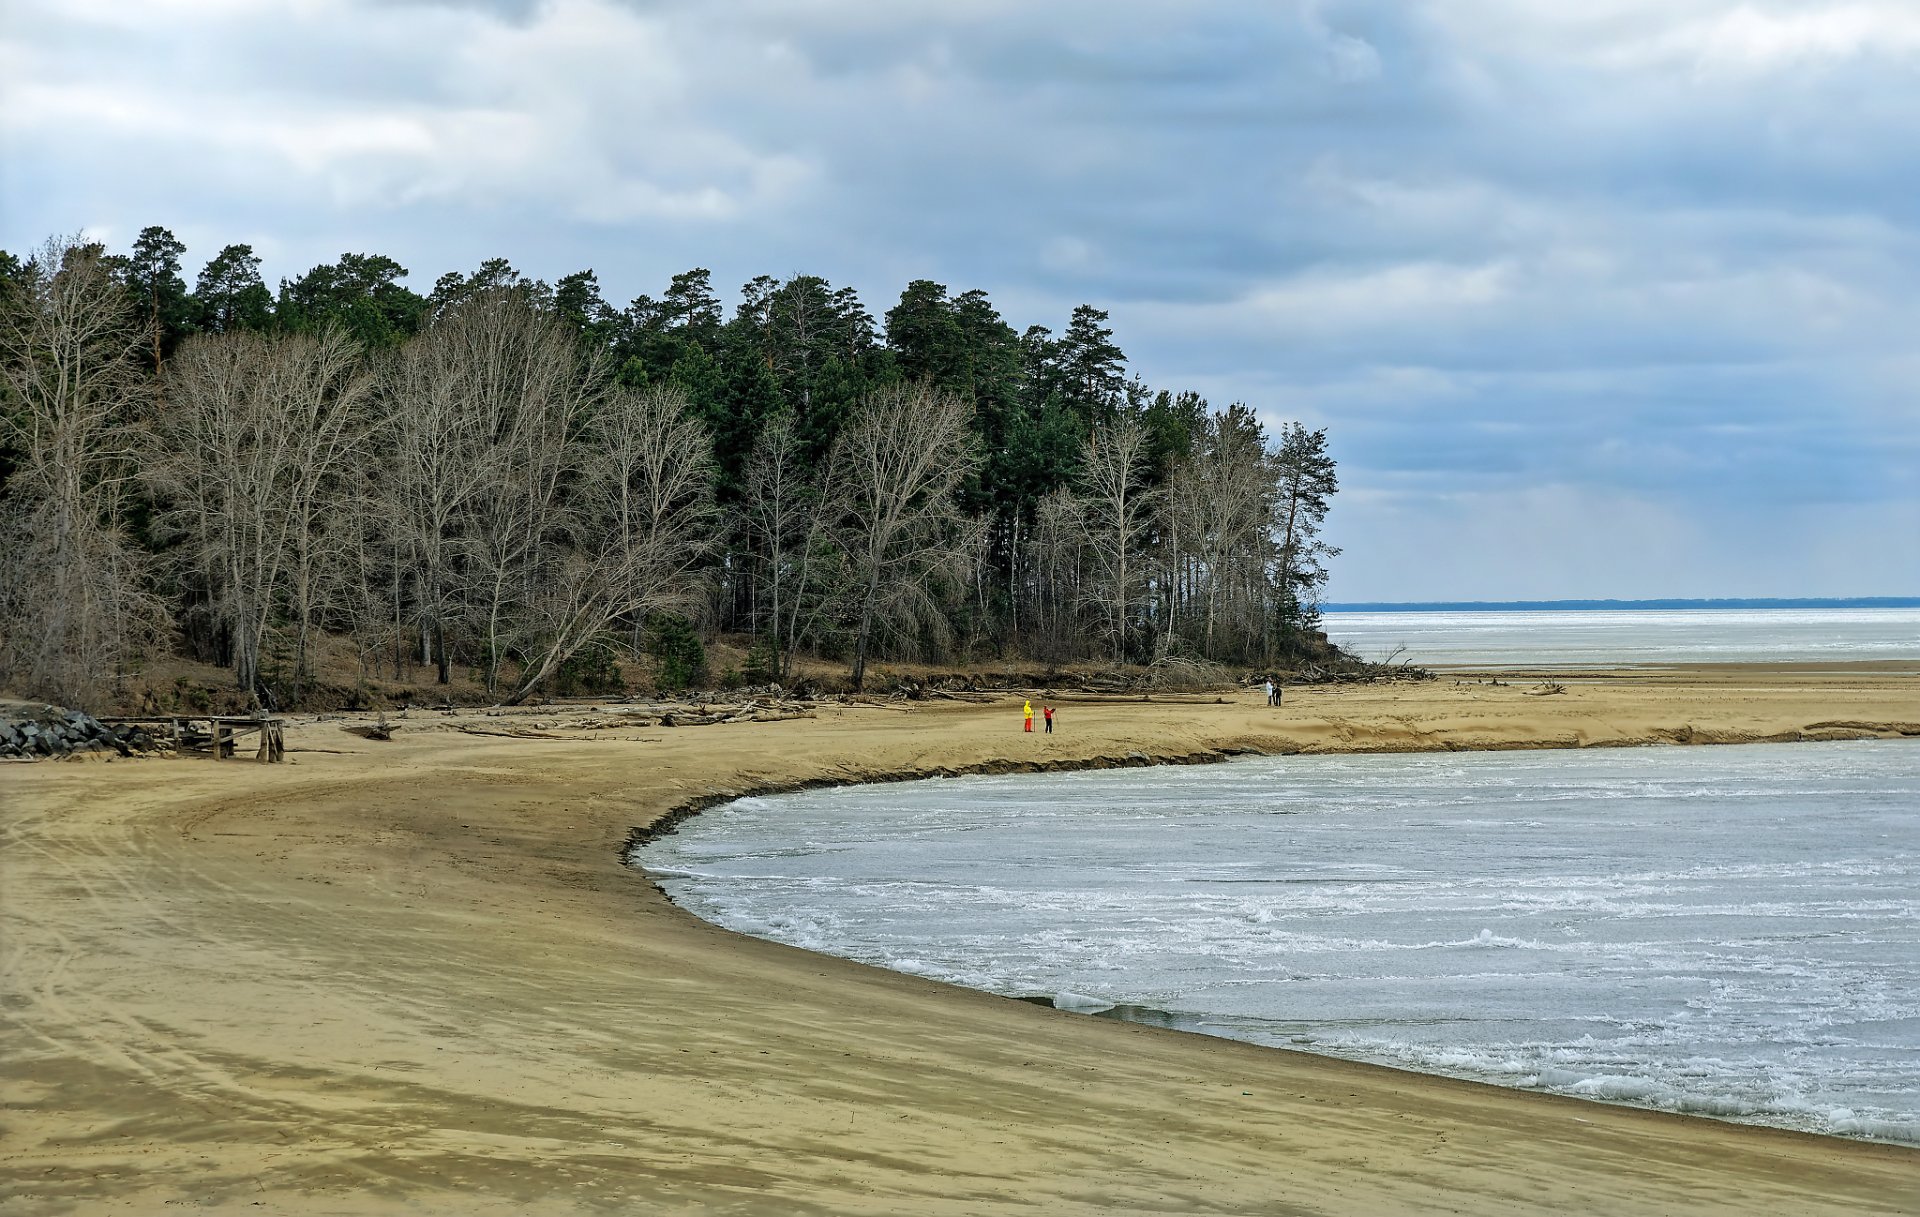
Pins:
x,y
381,730
874,703
1365,674
768,716
507,732
757,710
691,718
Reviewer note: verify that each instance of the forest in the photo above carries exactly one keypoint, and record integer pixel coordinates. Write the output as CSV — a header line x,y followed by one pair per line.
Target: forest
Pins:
x,y
521,485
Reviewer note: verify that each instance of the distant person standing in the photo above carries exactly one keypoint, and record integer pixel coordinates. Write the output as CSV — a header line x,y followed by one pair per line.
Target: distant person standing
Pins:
x,y
1048,711
1269,688
1279,691
1028,711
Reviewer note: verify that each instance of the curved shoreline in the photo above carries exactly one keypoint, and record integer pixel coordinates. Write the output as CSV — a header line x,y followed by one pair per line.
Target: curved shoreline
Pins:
x,y
414,977
680,813
671,822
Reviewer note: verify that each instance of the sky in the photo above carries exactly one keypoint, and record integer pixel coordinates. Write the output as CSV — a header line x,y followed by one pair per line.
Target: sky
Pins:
x,y
1617,298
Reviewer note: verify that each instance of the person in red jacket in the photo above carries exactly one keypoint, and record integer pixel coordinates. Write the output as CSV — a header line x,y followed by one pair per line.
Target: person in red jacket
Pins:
x,y
1048,711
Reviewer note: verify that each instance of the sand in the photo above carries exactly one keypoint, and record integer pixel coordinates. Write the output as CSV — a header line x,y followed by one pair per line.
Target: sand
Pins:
x,y
415,977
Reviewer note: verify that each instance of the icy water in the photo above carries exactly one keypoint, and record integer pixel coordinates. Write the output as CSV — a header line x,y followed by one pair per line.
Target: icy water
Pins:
x,y
1618,638
1730,931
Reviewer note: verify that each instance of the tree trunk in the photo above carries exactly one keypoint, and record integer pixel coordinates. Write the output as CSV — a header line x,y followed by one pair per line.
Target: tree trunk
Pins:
x,y
866,631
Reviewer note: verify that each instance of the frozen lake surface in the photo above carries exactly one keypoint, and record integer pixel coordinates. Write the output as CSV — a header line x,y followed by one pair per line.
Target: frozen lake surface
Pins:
x,y
1616,638
1731,931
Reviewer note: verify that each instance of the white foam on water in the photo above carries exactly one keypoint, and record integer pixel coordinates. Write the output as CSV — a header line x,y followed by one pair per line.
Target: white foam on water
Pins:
x,y
1581,922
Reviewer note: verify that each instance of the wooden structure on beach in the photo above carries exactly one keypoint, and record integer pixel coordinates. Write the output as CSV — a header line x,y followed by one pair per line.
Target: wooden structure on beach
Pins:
x,y
218,734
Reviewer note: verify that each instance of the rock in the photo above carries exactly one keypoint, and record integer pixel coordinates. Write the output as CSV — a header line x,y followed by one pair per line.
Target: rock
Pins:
x,y
43,731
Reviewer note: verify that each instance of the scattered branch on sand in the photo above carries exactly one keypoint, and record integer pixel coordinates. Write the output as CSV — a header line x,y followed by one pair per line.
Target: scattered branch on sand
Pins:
x,y
656,714
508,732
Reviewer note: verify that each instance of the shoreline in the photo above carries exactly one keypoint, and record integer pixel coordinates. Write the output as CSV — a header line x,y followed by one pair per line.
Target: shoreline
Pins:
x,y
413,976
671,821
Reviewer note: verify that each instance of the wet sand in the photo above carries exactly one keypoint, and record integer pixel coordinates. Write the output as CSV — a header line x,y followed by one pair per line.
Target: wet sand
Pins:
x,y
414,977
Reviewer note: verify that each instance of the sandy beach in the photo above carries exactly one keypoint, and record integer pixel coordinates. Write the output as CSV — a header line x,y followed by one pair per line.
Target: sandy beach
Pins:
x,y
414,976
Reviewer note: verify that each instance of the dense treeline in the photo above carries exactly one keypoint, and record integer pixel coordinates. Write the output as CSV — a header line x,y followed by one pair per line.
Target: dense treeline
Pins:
x,y
519,481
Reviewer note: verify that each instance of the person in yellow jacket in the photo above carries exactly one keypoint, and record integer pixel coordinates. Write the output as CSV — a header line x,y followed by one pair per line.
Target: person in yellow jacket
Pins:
x,y
1028,711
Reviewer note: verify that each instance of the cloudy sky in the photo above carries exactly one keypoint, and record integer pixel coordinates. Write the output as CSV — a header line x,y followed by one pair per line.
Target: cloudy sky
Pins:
x,y
1609,298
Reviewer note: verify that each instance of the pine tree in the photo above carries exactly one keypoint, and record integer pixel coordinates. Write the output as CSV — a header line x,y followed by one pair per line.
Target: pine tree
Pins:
x,y
153,276
229,294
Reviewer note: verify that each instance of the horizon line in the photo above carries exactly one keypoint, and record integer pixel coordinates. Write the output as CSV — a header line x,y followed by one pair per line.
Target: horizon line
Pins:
x,y
1671,602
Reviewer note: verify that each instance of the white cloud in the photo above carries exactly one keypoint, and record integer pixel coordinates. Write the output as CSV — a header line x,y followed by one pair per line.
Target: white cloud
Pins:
x,y
1730,38
1415,291
588,110
1749,40
1344,301
1352,60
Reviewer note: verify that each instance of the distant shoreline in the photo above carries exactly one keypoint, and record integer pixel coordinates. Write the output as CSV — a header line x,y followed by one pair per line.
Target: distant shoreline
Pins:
x,y
1525,606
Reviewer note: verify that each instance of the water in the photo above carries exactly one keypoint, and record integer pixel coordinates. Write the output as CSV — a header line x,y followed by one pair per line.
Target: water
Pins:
x,y
1729,931
1615,638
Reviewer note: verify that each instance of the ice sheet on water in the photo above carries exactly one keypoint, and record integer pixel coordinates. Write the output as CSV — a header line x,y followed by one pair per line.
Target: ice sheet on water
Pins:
x,y
1583,922
1607,638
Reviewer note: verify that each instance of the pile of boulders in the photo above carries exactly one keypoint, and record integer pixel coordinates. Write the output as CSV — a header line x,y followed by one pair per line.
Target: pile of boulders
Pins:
x,y
53,732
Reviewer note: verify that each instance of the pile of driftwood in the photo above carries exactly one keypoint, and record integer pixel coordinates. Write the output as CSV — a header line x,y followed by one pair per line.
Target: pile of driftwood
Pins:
x,y
754,710
1359,674
974,687
947,689
651,714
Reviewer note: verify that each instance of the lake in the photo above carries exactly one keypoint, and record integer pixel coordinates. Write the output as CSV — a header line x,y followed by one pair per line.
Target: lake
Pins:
x,y
1729,931
1621,637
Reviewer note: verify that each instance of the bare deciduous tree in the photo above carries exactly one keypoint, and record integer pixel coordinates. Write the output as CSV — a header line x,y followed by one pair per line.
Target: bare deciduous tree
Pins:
x,y
1056,548
1231,533
638,523
1117,506
361,574
518,373
454,394
256,437
896,466
784,517
73,603
330,407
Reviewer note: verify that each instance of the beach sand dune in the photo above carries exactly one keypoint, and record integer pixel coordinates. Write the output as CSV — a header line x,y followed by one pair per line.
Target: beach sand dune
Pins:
x,y
415,977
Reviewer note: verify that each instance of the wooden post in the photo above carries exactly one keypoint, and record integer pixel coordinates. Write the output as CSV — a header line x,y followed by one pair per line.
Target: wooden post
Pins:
x,y
219,739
